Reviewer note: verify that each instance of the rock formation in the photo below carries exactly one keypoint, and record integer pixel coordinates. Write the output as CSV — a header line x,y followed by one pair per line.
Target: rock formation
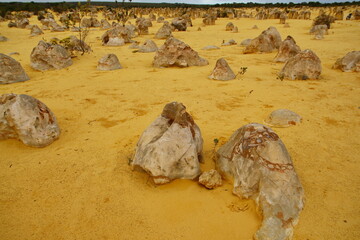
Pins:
x,y
267,41
109,62
210,179
143,25
27,119
179,24
164,32
283,118
304,65
35,30
148,46
170,147
261,168
11,71
46,56
229,43
229,27
349,63
287,49
3,38
116,36
222,71
105,24
176,53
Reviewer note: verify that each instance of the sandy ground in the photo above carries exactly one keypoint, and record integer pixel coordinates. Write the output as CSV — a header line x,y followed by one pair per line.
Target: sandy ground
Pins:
x,y
81,186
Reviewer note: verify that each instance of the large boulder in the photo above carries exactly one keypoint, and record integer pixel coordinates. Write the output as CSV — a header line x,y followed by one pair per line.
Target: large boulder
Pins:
x,y
148,46
268,41
171,147
349,63
109,62
116,36
11,71
47,56
27,119
304,65
222,71
176,53
287,49
261,168
164,32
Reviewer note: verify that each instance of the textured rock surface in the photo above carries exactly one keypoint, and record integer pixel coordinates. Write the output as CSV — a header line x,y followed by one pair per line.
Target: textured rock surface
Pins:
x,y
179,24
164,32
27,119
171,146
210,47
288,49
46,56
35,30
11,71
349,63
109,62
148,46
229,27
222,71
229,43
262,168
116,36
3,38
176,53
283,118
210,179
267,41
304,65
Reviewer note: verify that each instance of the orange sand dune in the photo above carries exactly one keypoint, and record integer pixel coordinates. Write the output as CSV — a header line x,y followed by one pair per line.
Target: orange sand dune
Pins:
x,y
81,186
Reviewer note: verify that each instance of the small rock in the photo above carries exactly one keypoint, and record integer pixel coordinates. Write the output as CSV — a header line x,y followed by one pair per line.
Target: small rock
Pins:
x,y
222,71
349,63
210,47
283,118
109,62
210,179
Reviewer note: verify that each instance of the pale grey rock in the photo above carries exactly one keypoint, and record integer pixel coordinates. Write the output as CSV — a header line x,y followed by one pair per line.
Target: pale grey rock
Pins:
x,y
179,23
116,36
235,30
27,119
210,47
229,43
210,179
222,71
268,41
176,53
164,31
3,38
261,168
171,147
105,24
148,46
46,56
349,63
304,65
229,26
246,42
283,118
109,62
11,70
287,49
35,30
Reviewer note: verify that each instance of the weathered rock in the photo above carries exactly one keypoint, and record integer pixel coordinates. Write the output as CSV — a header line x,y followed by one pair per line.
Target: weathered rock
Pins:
x,y
255,27
268,41
46,56
209,20
160,20
179,24
12,24
283,118
245,42
148,46
304,65
143,25
324,19
164,32
105,24
349,63
229,27
11,70
210,47
22,23
176,53
235,30
35,30
323,29
222,71
210,179
288,49
109,62
282,18
3,38
171,147
27,119
262,169
286,25
132,30
116,36
57,28
229,43
75,44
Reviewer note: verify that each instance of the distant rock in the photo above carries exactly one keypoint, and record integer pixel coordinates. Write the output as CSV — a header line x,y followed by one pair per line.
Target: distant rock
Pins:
x,y
283,118
349,63
11,70
46,56
143,25
116,36
268,41
171,147
148,46
245,42
210,47
222,71
176,53
229,43
104,25
235,30
35,30
304,65
229,27
261,168
288,49
109,62
179,24
27,119
3,38
164,31
210,179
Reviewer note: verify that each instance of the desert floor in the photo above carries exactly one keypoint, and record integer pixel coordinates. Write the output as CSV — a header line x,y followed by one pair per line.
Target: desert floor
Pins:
x,y
81,186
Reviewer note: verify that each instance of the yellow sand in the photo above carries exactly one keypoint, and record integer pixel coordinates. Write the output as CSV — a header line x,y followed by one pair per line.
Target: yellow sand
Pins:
x,y
81,186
